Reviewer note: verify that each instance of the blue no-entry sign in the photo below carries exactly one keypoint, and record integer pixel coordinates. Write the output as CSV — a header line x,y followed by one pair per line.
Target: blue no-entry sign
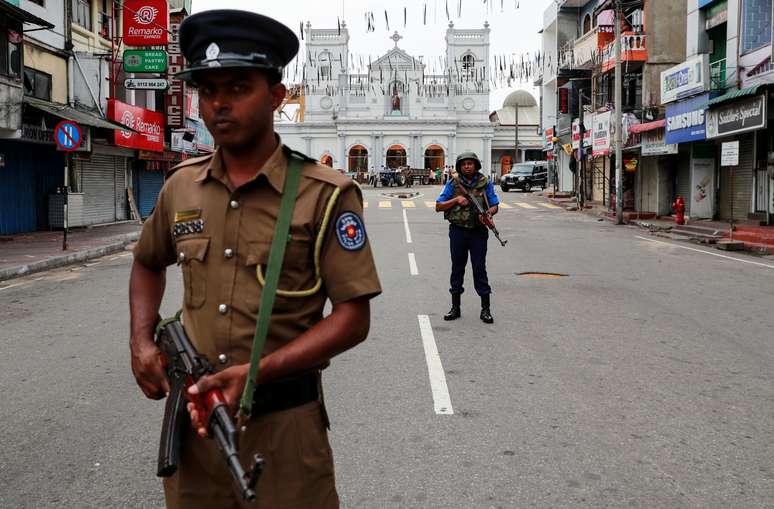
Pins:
x,y
68,136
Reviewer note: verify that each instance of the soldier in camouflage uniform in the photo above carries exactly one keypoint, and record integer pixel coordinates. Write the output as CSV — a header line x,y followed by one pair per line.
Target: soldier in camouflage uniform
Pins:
x,y
467,234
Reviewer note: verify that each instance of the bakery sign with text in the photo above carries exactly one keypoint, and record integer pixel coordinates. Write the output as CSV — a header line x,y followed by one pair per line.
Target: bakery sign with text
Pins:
x,y
148,126
145,22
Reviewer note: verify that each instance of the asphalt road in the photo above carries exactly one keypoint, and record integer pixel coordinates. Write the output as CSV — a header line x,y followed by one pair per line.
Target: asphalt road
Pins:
x,y
642,379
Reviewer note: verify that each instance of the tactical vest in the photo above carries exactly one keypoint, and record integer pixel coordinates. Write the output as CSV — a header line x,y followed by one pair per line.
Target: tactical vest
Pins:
x,y
467,217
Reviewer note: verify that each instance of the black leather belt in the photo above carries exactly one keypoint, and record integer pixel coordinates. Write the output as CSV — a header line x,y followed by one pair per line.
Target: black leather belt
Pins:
x,y
285,394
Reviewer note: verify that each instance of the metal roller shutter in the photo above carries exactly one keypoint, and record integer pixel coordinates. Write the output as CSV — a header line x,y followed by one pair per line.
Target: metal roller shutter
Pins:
x,y
100,188
683,183
121,199
150,183
742,185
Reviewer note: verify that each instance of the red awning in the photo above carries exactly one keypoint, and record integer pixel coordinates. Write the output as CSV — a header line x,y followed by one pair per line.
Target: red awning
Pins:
x,y
648,126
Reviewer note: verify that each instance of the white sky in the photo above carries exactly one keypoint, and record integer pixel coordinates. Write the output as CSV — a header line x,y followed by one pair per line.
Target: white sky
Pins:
x,y
513,31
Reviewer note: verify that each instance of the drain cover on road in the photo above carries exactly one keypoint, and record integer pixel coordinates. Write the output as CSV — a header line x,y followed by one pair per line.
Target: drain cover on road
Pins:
x,y
541,275
401,196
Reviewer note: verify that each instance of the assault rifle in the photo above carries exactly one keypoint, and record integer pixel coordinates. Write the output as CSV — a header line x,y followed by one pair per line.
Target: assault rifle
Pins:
x,y
184,366
486,217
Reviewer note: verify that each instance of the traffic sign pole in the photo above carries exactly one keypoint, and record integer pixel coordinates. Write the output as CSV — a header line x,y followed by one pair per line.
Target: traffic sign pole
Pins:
x,y
66,198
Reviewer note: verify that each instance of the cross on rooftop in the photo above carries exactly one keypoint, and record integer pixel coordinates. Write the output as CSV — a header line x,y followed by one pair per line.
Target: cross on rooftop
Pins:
x,y
395,37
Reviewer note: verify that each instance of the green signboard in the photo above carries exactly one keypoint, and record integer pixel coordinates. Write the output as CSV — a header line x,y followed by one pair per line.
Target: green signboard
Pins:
x,y
145,60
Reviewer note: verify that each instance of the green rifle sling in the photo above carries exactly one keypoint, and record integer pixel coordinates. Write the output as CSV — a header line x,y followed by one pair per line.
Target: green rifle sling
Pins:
x,y
273,269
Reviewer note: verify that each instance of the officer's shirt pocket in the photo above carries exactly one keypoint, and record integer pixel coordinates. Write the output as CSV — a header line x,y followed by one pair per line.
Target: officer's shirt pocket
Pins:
x,y
297,274
191,256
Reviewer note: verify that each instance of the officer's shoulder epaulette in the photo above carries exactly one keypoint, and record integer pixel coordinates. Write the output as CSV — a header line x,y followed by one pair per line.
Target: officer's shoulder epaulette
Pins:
x,y
189,162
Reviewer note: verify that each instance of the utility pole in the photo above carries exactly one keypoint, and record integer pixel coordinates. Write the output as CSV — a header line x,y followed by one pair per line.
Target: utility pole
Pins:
x,y
515,136
617,122
581,155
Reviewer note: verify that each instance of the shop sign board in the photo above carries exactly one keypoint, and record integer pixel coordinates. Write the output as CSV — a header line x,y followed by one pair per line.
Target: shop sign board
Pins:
x,y
148,124
145,22
737,117
729,153
175,97
146,84
686,79
588,122
145,60
654,144
601,136
686,120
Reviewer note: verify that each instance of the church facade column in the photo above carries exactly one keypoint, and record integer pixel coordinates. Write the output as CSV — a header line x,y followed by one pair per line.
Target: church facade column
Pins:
x,y
378,151
373,162
451,155
343,152
486,158
308,146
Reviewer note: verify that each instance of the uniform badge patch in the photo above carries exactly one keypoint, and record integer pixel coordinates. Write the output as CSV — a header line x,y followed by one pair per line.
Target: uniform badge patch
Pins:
x,y
350,231
188,222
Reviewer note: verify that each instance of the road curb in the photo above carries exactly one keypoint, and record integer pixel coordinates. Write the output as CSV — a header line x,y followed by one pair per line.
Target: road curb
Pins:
x,y
70,259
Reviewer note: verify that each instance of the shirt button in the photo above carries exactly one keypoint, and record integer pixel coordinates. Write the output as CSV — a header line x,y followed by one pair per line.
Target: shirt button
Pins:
x,y
228,253
222,358
223,309
234,204
181,257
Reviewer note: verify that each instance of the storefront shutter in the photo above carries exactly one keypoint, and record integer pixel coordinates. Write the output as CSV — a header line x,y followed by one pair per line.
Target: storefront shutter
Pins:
x,y
100,188
742,185
149,183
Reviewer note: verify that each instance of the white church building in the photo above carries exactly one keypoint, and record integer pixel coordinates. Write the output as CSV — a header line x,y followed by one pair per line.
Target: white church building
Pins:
x,y
396,113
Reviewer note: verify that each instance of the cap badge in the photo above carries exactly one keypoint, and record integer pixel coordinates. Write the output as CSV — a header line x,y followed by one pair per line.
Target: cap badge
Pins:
x,y
213,50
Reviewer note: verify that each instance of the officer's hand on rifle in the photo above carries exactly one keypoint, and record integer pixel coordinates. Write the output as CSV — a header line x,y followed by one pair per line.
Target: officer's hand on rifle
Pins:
x,y
231,381
462,201
148,370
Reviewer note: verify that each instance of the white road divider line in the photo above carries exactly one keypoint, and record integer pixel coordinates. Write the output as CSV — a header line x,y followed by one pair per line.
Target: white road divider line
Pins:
x,y
406,227
708,253
441,399
413,264
10,286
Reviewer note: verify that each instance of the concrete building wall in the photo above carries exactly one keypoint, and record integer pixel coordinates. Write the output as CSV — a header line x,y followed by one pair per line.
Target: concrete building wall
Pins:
x,y
50,63
54,13
666,43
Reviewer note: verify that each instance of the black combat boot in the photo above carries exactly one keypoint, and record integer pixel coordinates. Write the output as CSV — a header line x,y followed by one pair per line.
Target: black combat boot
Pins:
x,y
454,312
486,315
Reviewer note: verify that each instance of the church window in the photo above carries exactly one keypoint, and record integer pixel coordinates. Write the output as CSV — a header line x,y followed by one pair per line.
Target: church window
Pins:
x,y
468,66
324,64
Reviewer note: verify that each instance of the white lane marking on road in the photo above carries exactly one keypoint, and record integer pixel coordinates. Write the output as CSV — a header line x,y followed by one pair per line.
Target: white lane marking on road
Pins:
x,y
406,227
430,204
10,286
441,399
365,204
408,204
708,253
548,205
504,206
413,264
524,205
385,204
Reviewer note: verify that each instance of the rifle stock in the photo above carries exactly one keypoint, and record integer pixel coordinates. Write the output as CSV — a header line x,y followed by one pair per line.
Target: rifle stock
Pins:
x,y
183,367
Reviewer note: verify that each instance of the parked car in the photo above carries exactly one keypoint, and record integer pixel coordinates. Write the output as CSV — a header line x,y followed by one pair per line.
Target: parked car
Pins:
x,y
525,176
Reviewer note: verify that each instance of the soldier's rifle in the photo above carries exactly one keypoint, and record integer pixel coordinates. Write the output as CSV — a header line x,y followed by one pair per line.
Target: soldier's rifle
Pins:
x,y
486,217
183,367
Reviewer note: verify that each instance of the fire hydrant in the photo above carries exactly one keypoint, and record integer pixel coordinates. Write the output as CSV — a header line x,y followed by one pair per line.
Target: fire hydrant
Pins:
x,y
679,207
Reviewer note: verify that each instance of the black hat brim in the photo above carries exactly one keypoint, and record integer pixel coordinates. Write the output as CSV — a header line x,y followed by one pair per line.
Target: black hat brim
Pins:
x,y
187,74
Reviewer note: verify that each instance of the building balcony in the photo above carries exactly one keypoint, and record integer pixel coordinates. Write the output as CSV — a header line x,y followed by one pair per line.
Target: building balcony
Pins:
x,y
588,48
633,49
718,75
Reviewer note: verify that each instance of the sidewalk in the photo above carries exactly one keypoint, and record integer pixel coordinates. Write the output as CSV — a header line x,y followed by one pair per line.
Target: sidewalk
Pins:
x,y
37,251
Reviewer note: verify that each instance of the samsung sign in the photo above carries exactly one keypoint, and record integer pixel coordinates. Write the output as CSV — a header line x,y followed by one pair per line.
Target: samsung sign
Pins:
x,y
686,120
686,79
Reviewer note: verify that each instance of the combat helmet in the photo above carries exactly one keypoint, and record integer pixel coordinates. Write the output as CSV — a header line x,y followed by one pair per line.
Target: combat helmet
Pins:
x,y
468,155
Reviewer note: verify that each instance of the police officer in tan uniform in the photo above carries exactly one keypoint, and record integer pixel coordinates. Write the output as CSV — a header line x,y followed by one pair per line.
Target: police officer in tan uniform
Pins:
x,y
215,219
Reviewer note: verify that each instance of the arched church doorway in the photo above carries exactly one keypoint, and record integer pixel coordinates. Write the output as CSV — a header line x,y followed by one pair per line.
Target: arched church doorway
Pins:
x,y
435,157
358,159
327,160
396,157
506,163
